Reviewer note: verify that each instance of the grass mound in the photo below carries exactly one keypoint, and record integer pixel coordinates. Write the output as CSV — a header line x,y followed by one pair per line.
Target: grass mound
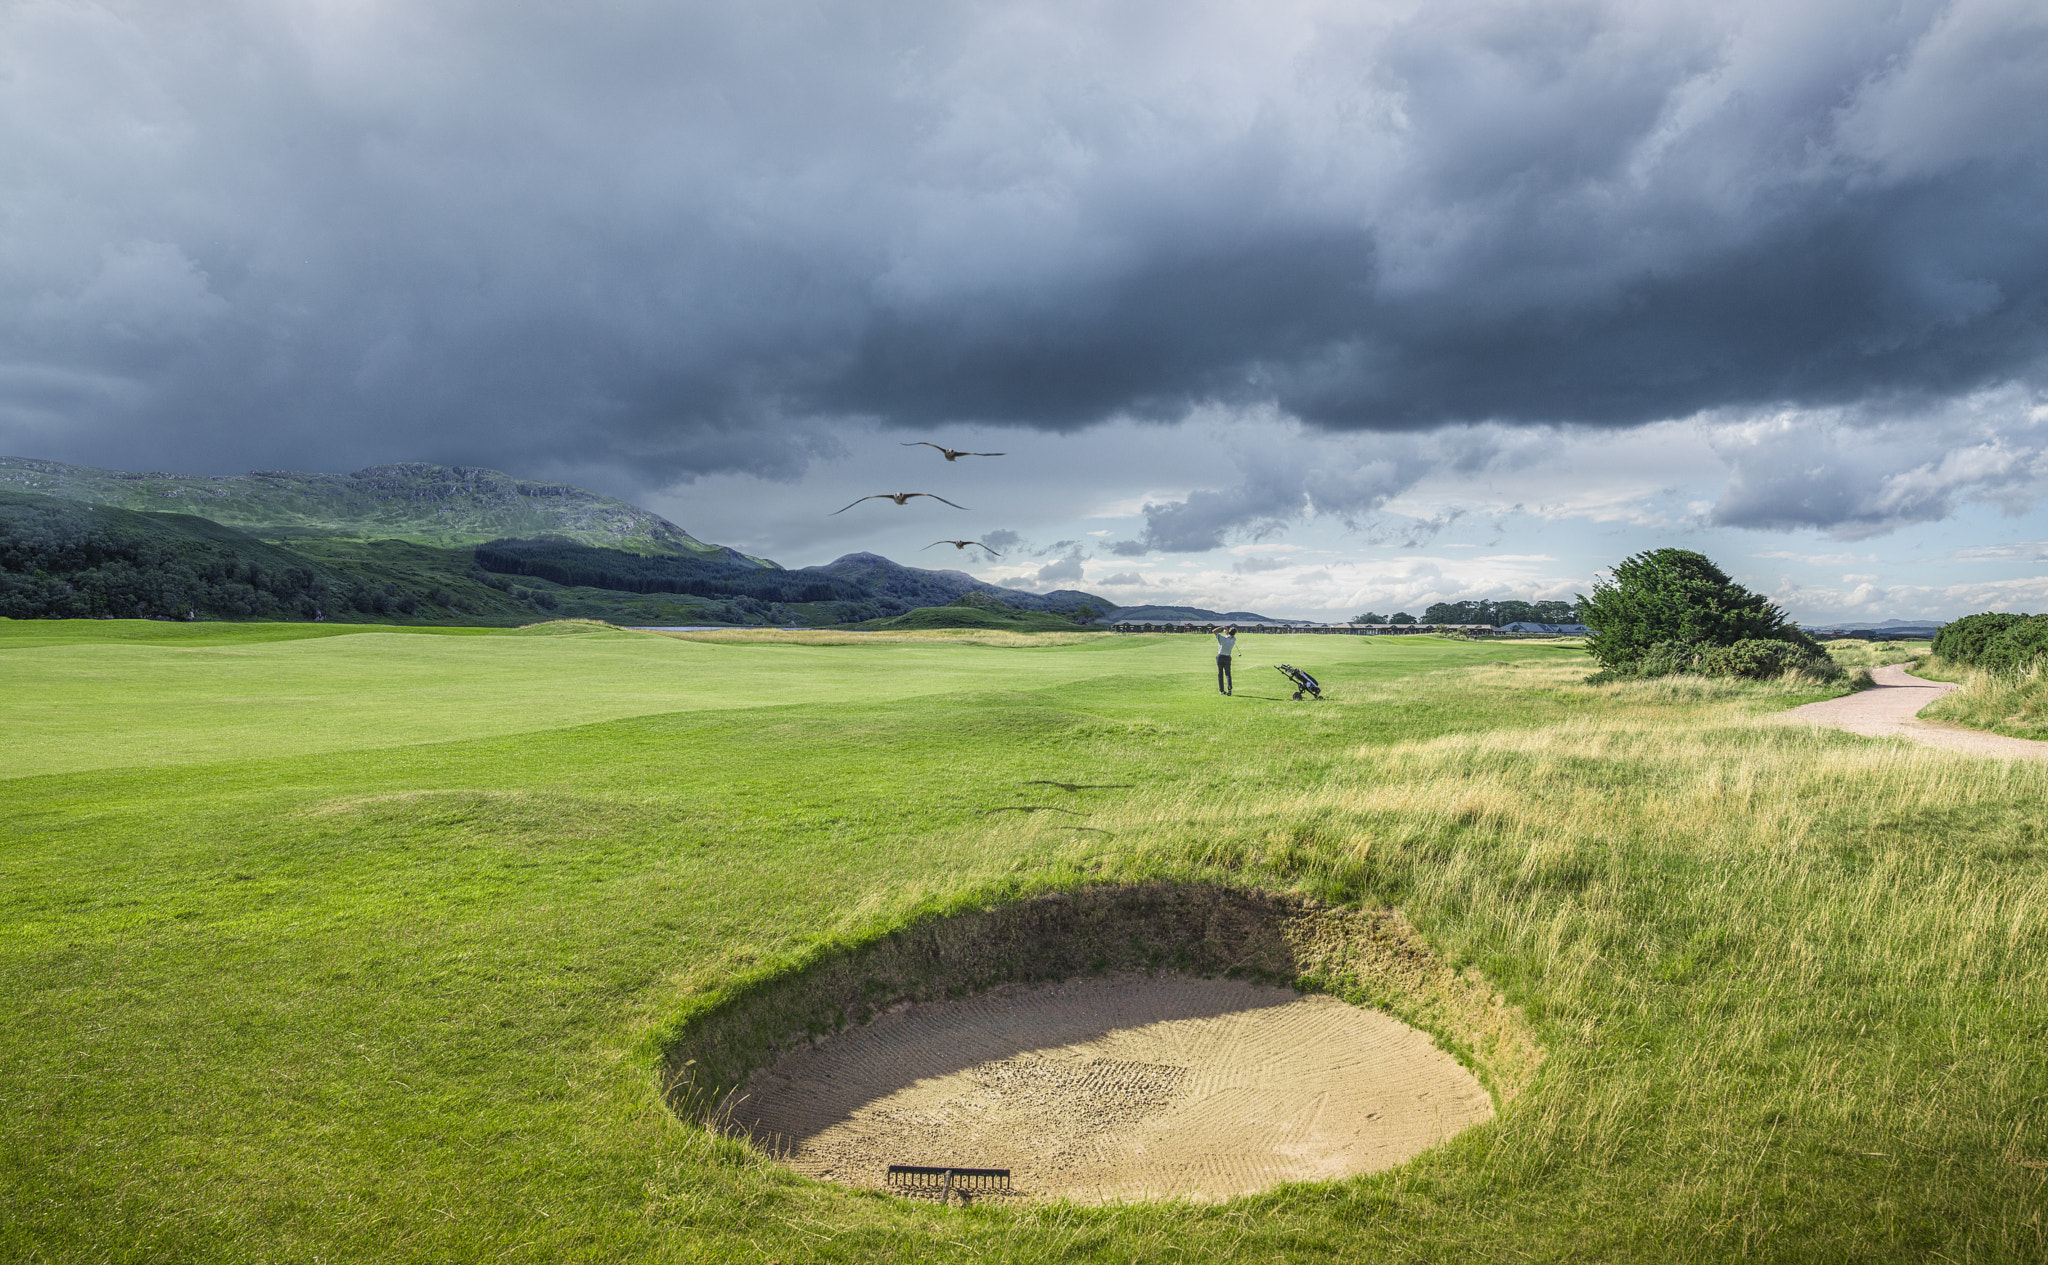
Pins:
x,y
571,628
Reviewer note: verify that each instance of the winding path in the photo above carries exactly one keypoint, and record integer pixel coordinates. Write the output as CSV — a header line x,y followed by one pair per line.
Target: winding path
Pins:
x,y
1891,709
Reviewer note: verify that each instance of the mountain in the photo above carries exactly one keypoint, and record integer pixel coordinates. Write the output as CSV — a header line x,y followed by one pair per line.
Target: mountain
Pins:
x,y
893,584
414,543
448,506
1905,629
1196,613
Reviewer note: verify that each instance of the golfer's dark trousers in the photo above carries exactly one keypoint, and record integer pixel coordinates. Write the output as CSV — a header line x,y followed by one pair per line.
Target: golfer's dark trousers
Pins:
x,y
1223,673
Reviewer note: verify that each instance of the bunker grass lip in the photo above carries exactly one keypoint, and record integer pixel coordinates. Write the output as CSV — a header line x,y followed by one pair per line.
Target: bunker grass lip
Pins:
x,y
1028,1001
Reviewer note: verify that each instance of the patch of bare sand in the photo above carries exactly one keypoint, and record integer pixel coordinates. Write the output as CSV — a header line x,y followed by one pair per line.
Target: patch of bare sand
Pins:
x,y
1130,1087
1891,709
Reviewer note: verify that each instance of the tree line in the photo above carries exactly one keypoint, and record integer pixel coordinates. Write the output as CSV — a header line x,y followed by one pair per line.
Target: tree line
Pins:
x,y
1496,613
65,560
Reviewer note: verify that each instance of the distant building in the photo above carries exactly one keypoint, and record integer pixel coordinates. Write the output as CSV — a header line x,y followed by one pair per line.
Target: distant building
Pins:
x,y
1551,630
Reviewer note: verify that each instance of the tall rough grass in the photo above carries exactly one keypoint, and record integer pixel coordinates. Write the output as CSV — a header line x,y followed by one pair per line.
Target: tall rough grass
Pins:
x,y
1774,955
2012,703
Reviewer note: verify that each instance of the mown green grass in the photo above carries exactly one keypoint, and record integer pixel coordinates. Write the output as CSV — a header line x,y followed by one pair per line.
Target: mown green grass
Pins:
x,y
369,965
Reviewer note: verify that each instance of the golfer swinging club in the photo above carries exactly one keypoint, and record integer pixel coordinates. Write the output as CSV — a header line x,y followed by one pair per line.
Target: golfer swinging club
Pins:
x,y
1226,642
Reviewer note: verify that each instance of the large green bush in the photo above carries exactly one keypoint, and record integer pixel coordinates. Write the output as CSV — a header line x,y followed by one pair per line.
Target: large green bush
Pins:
x,y
1753,658
1667,607
1995,640
1760,659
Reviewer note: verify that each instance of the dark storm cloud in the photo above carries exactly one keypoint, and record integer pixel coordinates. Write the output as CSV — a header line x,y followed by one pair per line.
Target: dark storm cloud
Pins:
x,y
645,242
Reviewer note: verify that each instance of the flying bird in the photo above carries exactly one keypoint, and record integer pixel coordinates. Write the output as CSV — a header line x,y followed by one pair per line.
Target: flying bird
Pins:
x,y
898,497
1084,786
951,454
960,544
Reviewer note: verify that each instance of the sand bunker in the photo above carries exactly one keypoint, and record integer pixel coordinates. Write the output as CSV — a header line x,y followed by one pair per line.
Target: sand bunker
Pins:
x,y
1130,1087
1124,1041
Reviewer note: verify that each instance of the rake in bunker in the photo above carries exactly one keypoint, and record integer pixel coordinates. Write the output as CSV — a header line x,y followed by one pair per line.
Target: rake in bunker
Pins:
x,y
925,1181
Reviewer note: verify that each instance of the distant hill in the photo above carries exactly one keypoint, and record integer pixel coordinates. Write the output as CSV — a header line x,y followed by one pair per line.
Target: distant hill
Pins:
x,y
909,587
570,564
66,559
1164,613
448,506
417,543
1901,629
941,617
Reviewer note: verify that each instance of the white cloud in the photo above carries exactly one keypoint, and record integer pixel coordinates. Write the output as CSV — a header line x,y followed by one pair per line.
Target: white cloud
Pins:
x,y
2018,551
1816,559
1817,603
1855,476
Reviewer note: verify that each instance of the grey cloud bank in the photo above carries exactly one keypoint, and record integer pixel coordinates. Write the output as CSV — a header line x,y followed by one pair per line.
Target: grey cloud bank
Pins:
x,y
640,244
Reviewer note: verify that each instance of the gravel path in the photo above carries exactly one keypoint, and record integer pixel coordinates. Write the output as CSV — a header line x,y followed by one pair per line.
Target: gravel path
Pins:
x,y
1891,709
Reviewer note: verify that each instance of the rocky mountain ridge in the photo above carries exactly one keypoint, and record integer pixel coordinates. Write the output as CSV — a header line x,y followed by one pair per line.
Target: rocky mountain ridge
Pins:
x,y
447,506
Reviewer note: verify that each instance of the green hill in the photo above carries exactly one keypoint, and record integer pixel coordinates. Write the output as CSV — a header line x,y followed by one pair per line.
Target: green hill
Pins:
x,y
62,559
925,617
418,543
448,506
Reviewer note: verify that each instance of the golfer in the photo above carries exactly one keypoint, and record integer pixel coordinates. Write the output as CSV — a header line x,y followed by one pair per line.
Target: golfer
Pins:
x,y
1226,644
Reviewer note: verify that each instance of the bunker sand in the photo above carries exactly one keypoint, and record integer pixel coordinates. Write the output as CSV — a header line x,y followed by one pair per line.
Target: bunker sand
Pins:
x,y
1130,1087
1891,709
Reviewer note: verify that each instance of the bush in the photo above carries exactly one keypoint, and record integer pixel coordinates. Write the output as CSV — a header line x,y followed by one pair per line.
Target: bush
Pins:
x,y
2019,647
1759,659
1664,599
1753,658
1667,658
1995,641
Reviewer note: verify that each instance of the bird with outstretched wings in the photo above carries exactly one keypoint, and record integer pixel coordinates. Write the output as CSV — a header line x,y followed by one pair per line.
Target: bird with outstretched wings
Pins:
x,y
961,544
951,454
899,497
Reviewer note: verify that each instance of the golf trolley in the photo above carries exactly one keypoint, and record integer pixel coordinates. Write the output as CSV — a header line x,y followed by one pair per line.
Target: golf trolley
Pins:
x,y
1303,682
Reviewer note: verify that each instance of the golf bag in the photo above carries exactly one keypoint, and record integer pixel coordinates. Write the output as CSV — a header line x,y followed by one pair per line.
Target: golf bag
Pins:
x,y
1303,682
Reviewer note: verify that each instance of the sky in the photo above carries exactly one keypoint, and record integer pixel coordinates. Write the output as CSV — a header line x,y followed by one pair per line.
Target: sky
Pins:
x,y
1305,307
